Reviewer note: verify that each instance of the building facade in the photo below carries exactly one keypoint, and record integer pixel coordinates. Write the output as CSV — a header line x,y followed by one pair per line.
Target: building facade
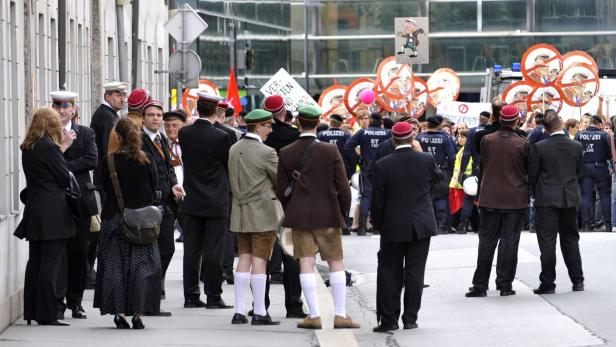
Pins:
x,y
32,42
347,38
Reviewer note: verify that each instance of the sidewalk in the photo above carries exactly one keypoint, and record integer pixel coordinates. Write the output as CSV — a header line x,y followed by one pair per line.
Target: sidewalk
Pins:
x,y
187,327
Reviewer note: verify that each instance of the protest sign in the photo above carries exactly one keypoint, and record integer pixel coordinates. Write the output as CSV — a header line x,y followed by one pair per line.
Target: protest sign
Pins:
x,y
284,85
411,40
463,112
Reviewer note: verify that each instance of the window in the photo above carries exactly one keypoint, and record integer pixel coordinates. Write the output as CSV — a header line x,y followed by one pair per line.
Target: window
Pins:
x,y
110,60
575,15
453,16
503,15
54,51
41,66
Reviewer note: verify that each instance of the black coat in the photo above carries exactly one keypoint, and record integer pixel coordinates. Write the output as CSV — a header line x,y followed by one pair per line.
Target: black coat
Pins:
x,y
81,158
47,178
205,153
282,135
164,168
554,171
232,135
401,205
103,120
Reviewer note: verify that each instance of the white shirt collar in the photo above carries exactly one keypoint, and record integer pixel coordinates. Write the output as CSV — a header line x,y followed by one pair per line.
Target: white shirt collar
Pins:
x,y
403,146
560,132
253,136
69,126
308,135
150,133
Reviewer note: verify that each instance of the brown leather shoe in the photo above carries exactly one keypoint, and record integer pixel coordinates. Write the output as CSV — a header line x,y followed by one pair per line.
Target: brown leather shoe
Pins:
x,y
310,323
345,323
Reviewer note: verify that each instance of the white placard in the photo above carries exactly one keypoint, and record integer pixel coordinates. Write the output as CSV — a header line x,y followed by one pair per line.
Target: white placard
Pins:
x,y
607,88
463,112
284,85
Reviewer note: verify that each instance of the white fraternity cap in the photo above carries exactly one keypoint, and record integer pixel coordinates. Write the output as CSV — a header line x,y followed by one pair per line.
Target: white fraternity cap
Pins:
x,y
116,87
209,97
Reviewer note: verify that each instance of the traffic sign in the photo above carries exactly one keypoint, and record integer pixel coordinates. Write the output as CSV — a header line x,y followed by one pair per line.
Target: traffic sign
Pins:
x,y
186,25
191,66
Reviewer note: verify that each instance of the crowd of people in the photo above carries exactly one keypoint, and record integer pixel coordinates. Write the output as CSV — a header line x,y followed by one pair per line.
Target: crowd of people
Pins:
x,y
228,183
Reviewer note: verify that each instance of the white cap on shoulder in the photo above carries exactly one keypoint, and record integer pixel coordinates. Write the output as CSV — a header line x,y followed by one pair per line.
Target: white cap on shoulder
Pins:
x,y
63,95
209,97
116,87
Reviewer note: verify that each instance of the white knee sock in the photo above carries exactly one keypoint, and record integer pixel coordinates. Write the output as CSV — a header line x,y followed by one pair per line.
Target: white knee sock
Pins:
x,y
309,286
242,280
337,281
257,282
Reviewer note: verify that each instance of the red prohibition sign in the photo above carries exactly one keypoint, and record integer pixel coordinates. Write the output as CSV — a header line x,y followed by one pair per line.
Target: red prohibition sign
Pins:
x,y
463,108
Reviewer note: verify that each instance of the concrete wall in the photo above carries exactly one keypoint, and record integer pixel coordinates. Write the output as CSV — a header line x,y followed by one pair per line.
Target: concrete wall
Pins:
x,y
29,71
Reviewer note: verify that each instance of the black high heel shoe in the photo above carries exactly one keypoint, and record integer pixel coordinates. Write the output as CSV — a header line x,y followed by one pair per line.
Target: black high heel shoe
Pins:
x,y
137,323
120,322
57,323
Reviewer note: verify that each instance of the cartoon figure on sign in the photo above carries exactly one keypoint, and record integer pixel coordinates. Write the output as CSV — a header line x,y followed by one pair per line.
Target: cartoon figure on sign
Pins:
x,y
410,33
577,92
519,99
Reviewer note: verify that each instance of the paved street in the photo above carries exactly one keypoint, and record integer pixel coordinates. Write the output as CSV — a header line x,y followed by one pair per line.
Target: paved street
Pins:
x,y
447,318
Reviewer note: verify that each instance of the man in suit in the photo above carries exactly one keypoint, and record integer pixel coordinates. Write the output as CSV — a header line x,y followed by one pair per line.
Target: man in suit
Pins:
x,y
282,135
554,172
255,214
157,145
503,202
81,157
229,255
205,153
402,185
103,120
316,213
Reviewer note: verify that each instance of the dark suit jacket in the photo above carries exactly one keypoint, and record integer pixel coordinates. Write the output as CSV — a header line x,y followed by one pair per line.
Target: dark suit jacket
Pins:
x,y
282,135
164,169
322,196
47,177
205,153
81,158
103,120
229,132
401,205
554,171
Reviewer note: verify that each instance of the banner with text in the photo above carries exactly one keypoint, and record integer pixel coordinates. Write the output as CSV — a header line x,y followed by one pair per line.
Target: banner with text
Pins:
x,y
463,112
284,85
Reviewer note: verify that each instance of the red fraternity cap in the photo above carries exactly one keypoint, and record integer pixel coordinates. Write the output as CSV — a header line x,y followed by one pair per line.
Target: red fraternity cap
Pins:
x,y
273,103
223,104
150,103
402,130
509,113
138,97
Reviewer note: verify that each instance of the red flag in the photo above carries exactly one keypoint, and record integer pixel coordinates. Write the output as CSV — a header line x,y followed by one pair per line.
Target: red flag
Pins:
x,y
233,95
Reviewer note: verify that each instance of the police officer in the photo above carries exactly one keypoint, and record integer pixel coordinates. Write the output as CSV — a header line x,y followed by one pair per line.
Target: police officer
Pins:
x,y
334,134
597,153
368,141
442,148
469,147
539,132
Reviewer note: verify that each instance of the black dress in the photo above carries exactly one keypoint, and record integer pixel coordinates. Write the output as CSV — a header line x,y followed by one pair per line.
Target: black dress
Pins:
x,y
128,278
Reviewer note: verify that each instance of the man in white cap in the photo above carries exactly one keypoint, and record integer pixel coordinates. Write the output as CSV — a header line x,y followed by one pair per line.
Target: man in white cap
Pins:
x,y
103,120
205,153
81,157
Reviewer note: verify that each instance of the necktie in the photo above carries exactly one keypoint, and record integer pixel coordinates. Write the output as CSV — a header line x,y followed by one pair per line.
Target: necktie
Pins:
x,y
157,140
158,144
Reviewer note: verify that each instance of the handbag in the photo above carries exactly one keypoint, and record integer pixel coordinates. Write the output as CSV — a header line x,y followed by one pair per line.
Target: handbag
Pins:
x,y
75,199
296,174
140,226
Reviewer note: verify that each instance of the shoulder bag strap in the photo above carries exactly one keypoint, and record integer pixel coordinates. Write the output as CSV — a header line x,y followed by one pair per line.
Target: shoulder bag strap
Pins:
x,y
116,182
297,173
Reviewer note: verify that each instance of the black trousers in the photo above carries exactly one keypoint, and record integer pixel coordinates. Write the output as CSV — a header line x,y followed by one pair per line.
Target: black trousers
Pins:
x,y
290,279
73,284
400,262
550,222
500,227
166,242
43,271
203,236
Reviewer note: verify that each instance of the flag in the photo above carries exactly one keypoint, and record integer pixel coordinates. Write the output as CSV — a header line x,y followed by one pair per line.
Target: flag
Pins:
x,y
233,95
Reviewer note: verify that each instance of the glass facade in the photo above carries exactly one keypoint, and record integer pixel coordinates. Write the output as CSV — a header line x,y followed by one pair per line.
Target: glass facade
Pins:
x,y
347,38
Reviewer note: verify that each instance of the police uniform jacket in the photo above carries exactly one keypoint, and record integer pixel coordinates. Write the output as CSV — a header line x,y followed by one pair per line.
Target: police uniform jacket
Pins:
x,y
401,205
47,178
205,153
596,144
538,134
368,141
335,136
322,196
504,184
470,152
554,172
252,175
